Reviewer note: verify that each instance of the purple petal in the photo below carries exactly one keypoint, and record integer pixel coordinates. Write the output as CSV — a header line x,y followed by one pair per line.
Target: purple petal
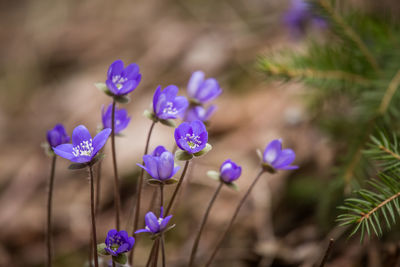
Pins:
x,y
110,234
81,159
156,97
123,248
151,166
170,91
166,165
115,68
80,133
131,71
142,231
209,90
152,222
286,157
272,151
64,151
100,139
128,87
165,222
181,104
131,242
195,81
158,151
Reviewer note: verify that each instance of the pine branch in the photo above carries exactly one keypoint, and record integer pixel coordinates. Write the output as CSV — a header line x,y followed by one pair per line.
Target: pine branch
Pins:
x,y
394,84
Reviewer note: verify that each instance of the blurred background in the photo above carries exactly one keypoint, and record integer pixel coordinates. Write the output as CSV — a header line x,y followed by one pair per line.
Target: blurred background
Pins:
x,y
52,53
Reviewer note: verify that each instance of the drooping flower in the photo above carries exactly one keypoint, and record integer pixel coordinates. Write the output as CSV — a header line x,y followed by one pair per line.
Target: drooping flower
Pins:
x,y
118,242
230,171
299,16
277,157
160,164
199,113
202,90
120,80
83,147
155,225
191,137
166,105
57,136
121,118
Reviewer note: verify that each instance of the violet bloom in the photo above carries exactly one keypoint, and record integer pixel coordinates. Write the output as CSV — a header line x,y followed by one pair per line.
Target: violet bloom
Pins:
x,y
199,113
83,147
160,164
202,90
277,157
57,136
166,105
155,225
118,242
299,16
121,118
191,137
120,80
230,171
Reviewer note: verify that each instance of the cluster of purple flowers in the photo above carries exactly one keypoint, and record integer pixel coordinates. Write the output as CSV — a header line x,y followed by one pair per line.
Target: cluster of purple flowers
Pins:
x,y
191,137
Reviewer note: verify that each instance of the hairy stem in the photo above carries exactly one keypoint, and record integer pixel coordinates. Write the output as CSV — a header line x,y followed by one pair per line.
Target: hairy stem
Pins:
x,y
203,223
156,251
49,242
98,188
153,248
161,195
233,218
163,250
117,200
139,193
93,216
178,186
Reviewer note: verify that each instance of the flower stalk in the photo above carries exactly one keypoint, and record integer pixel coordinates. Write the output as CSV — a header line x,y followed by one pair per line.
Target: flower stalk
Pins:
x,y
215,251
117,199
93,217
49,212
178,186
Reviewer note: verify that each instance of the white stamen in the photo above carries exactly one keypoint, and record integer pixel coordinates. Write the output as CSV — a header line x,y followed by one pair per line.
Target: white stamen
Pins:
x,y
169,109
85,148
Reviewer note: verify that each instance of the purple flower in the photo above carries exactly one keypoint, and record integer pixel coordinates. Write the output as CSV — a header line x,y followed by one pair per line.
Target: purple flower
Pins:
x,y
118,242
57,136
160,164
230,171
120,80
121,118
167,105
202,90
199,113
191,137
299,16
277,157
155,225
83,148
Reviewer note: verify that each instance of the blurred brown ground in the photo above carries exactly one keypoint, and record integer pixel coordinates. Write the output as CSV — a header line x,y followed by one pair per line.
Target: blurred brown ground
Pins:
x,y
51,54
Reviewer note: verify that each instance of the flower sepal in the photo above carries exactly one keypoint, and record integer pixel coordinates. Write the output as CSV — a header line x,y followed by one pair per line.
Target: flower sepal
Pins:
x,y
182,155
150,115
156,236
103,87
123,99
121,258
194,102
232,185
203,151
268,168
169,123
101,249
159,182
47,149
214,175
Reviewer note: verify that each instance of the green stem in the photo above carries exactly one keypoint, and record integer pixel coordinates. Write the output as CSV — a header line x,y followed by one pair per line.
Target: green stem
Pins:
x,y
178,186
203,223
93,216
116,182
139,193
233,218
49,242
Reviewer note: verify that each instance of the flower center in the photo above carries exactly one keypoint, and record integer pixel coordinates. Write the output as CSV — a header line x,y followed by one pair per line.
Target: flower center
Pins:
x,y
193,140
169,109
85,148
119,81
116,242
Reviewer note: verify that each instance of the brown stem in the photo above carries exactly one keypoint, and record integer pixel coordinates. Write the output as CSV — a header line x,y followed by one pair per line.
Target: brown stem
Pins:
x,y
233,218
98,188
93,216
117,199
203,223
327,252
157,250
49,242
153,248
139,193
171,202
161,195
163,251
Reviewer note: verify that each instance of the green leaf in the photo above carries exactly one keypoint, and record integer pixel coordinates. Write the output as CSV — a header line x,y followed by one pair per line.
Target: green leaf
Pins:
x,y
123,99
171,181
204,151
183,155
103,87
121,259
154,182
150,115
233,186
170,123
77,166
213,175
101,249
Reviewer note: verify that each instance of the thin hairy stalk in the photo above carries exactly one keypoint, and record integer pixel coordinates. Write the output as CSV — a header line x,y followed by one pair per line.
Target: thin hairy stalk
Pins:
x,y
203,223
387,98
161,195
178,186
380,205
49,242
163,251
91,250
93,217
139,193
153,248
156,251
154,197
113,264
350,33
117,200
210,260
327,252
98,187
